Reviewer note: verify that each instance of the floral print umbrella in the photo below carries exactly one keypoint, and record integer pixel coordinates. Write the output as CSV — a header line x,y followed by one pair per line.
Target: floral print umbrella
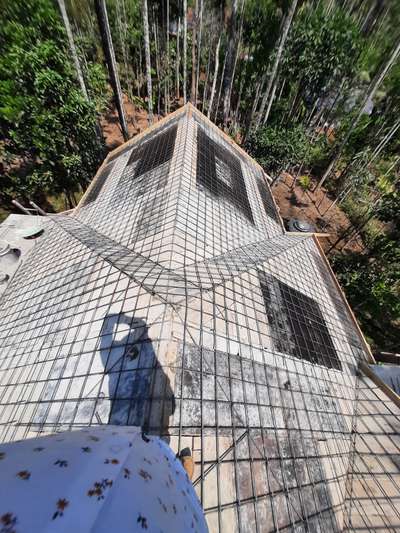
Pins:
x,y
103,479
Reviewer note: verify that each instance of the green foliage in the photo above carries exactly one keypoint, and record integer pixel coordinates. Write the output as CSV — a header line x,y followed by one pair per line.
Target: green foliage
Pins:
x,y
99,90
259,15
389,208
319,155
47,125
321,50
372,285
278,147
304,182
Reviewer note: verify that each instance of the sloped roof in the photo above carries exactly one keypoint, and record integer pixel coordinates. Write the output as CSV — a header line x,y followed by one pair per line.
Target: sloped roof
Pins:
x,y
173,298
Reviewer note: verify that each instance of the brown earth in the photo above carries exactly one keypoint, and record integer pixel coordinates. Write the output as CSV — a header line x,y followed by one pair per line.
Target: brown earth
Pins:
x,y
312,206
136,118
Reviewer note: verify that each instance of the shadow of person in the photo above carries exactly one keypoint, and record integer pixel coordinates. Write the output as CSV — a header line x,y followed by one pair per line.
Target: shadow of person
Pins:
x,y
140,392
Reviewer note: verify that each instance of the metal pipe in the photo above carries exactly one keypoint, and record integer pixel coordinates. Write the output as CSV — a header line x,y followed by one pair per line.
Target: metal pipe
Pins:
x,y
23,209
38,209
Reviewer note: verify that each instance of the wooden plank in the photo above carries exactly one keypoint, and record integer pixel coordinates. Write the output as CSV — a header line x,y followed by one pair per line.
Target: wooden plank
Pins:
x,y
386,357
91,185
309,233
365,369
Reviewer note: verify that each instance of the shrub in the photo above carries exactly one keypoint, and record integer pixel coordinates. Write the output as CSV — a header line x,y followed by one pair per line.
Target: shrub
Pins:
x,y
304,182
279,147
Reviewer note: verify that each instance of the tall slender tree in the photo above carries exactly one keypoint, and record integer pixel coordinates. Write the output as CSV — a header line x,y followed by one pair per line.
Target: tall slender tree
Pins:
x,y
72,46
184,51
282,41
200,34
367,98
230,60
167,61
214,83
178,60
147,56
102,17
194,44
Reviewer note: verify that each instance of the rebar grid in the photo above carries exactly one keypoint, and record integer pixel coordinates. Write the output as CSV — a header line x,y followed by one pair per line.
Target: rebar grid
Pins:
x,y
173,299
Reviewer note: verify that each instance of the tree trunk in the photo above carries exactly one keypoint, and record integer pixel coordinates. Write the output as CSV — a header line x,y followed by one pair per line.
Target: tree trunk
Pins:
x,y
220,89
214,83
147,56
199,49
281,89
194,35
168,63
372,17
101,12
123,37
285,32
230,61
270,101
158,63
236,60
140,85
206,81
250,118
74,53
177,59
235,117
184,51
370,94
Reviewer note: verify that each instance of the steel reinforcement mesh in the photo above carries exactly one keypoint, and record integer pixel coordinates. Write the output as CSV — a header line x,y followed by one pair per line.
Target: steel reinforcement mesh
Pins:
x,y
152,306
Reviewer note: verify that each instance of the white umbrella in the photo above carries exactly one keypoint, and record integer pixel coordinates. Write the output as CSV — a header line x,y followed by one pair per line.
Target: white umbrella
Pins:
x,y
101,479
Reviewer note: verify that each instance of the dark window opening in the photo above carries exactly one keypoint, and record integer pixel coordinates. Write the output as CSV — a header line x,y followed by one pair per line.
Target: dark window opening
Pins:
x,y
94,191
266,198
220,172
296,320
154,152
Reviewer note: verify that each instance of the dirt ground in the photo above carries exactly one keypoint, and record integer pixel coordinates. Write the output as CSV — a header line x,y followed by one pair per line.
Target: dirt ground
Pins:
x,y
313,207
136,119
305,205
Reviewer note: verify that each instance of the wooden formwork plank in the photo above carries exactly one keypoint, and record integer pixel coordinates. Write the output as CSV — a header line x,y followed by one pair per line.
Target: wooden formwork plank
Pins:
x,y
365,369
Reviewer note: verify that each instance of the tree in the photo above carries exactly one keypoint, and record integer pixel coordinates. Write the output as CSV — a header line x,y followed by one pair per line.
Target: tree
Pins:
x,y
147,55
108,49
372,285
277,147
230,59
71,41
48,125
184,51
214,83
271,80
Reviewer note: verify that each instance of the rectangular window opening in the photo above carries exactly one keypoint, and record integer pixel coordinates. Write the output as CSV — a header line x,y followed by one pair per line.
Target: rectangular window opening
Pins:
x,y
297,323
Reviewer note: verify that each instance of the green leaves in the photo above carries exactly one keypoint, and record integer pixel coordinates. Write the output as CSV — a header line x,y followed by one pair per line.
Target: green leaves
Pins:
x,y
321,49
45,120
276,147
372,285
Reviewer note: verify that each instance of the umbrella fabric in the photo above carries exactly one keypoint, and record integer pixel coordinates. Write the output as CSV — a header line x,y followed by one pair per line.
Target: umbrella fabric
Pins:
x,y
103,479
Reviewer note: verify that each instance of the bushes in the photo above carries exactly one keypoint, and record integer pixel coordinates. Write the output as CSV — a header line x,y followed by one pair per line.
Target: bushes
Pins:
x,y
304,182
279,147
321,50
372,285
48,127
